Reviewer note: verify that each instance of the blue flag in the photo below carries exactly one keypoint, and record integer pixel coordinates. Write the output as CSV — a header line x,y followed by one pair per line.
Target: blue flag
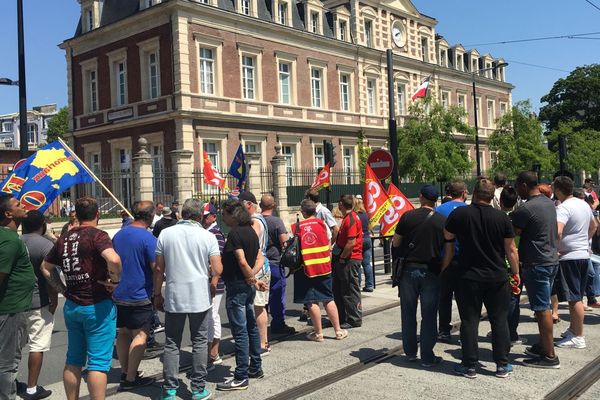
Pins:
x,y
47,173
239,171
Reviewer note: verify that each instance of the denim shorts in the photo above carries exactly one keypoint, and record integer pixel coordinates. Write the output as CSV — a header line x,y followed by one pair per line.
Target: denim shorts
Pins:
x,y
91,333
573,276
538,281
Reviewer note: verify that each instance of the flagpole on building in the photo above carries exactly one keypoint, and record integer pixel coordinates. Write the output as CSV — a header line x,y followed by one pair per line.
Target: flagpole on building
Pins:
x,y
89,171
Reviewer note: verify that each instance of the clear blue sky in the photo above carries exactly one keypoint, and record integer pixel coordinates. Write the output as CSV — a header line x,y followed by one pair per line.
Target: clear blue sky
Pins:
x,y
48,23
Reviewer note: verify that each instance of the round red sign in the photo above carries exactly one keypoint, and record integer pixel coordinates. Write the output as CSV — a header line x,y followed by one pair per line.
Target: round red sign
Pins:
x,y
382,163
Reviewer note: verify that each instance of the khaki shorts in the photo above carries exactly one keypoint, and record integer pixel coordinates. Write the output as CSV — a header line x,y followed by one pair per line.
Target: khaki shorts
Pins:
x,y
262,298
40,323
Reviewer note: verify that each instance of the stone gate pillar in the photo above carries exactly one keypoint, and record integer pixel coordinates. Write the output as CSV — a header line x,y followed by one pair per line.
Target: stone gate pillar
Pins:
x,y
143,176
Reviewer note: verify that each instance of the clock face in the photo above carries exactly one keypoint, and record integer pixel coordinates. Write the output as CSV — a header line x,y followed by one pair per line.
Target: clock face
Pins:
x,y
397,34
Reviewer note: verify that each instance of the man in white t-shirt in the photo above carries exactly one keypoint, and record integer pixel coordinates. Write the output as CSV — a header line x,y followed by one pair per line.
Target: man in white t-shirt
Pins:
x,y
157,215
188,256
499,182
324,214
576,226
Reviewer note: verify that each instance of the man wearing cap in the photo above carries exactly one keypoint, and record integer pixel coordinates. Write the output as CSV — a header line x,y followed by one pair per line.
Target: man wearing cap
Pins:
x,y
209,222
259,224
419,238
486,238
166,221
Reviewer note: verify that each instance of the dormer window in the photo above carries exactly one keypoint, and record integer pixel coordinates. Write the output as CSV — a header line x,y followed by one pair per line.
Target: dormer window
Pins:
x,y
149,3
314,22
425,49
443,58
459,62
474,65
342,26
283,12
245,7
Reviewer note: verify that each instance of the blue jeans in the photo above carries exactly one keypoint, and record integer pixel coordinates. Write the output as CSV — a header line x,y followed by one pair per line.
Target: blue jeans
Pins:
x,y
239,302
366,264
419,283
277,296
593,285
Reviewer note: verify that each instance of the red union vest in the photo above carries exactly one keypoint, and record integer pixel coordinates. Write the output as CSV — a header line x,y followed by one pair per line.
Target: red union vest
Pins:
x,y
315,249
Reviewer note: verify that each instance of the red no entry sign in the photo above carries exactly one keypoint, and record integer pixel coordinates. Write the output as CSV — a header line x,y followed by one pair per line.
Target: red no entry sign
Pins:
x,y
381,162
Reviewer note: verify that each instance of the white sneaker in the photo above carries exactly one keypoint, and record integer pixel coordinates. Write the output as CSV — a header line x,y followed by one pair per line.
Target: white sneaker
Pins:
x,y
567,334
573,342
587,308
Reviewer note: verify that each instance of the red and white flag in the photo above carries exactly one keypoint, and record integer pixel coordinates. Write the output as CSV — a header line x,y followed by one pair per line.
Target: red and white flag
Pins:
x,y
323,179
376,199
399,206
422,90
211,175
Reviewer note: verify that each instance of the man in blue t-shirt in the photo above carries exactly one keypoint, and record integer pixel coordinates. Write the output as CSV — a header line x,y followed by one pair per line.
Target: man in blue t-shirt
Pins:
x,y
137,248
457,191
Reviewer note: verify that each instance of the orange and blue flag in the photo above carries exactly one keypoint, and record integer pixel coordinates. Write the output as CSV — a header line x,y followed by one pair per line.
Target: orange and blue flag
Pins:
x,y
238,169
42,177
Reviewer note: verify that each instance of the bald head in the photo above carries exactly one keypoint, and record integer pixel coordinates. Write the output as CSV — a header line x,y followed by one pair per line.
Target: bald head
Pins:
x,y
143,211
267,202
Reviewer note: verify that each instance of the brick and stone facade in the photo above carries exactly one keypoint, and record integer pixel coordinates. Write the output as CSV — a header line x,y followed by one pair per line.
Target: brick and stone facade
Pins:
x,y
194,74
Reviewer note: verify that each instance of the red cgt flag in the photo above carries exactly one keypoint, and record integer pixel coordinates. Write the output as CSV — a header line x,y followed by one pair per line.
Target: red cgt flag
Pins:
x,y
376,199
323,179
399,206
211,175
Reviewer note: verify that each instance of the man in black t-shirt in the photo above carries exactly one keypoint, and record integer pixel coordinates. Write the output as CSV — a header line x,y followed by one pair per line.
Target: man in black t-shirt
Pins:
x,y
420,237
486,237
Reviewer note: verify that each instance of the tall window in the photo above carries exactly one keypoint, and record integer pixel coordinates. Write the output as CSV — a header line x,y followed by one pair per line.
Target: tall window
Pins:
x,y
348,164
207,64
425,49
401,97
371,89
248,77
288,153
284,83
245,7
475,66
89,19
445,99
345,92
212,150
314,22
93,91
96,189
342,27
156,151
32,130
459,62
443,58
153,75
490,113
315,87
462,102
503,108
368,33
319,157
7,127
121,75
479,114
283,12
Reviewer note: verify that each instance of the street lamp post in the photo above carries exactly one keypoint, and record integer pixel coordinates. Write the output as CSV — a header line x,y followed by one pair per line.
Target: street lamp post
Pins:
x,y
22,85
477,157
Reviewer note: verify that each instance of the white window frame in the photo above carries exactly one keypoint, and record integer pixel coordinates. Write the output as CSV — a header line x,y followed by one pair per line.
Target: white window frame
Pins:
x,y
249,73
503,108
206,67
401,97
147,48
316,87
372,95
443,57
35,132
320,65
424,49
291,161
5,126
214,44
315,25
460,62
348,162
491,119
115,58
368,32
89,67
249,5
345,91
318,156
255,54
342,29
283,18
284,81
290,59
445,99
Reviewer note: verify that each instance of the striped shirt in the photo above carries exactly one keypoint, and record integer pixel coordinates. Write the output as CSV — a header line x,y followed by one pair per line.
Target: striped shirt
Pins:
x,y
214,229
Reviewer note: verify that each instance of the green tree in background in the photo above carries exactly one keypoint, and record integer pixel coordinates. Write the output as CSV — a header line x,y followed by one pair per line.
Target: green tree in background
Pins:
x,y
363,153
58,126
583,146
519,142
428,149
574,98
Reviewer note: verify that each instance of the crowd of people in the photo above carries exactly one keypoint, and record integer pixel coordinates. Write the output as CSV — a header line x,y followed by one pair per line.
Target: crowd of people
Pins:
x,y
178,261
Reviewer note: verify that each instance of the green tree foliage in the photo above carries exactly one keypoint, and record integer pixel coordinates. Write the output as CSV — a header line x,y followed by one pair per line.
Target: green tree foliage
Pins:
x,y
574,98
363,153
58,126
583,146
519,141
428,149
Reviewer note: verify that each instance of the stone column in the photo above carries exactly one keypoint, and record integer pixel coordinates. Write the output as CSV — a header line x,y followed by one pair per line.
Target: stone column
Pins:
x,y
254,183
143,176
183,178
279,184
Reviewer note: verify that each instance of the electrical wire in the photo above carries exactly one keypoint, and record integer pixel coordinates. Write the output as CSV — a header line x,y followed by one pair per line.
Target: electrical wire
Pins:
x,y
572,36
592,4
536,66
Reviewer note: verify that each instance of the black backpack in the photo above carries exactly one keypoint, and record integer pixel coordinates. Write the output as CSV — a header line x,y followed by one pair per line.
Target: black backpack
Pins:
x,y
291,258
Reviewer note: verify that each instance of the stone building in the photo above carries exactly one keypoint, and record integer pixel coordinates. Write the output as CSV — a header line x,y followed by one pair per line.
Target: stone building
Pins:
x,y
188,75
37,127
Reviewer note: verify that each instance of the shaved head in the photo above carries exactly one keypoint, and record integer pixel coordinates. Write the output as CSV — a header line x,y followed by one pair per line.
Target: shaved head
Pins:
x,y
267,202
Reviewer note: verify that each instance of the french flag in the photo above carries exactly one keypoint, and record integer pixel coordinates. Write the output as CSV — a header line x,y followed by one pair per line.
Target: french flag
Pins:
x,y
422,90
